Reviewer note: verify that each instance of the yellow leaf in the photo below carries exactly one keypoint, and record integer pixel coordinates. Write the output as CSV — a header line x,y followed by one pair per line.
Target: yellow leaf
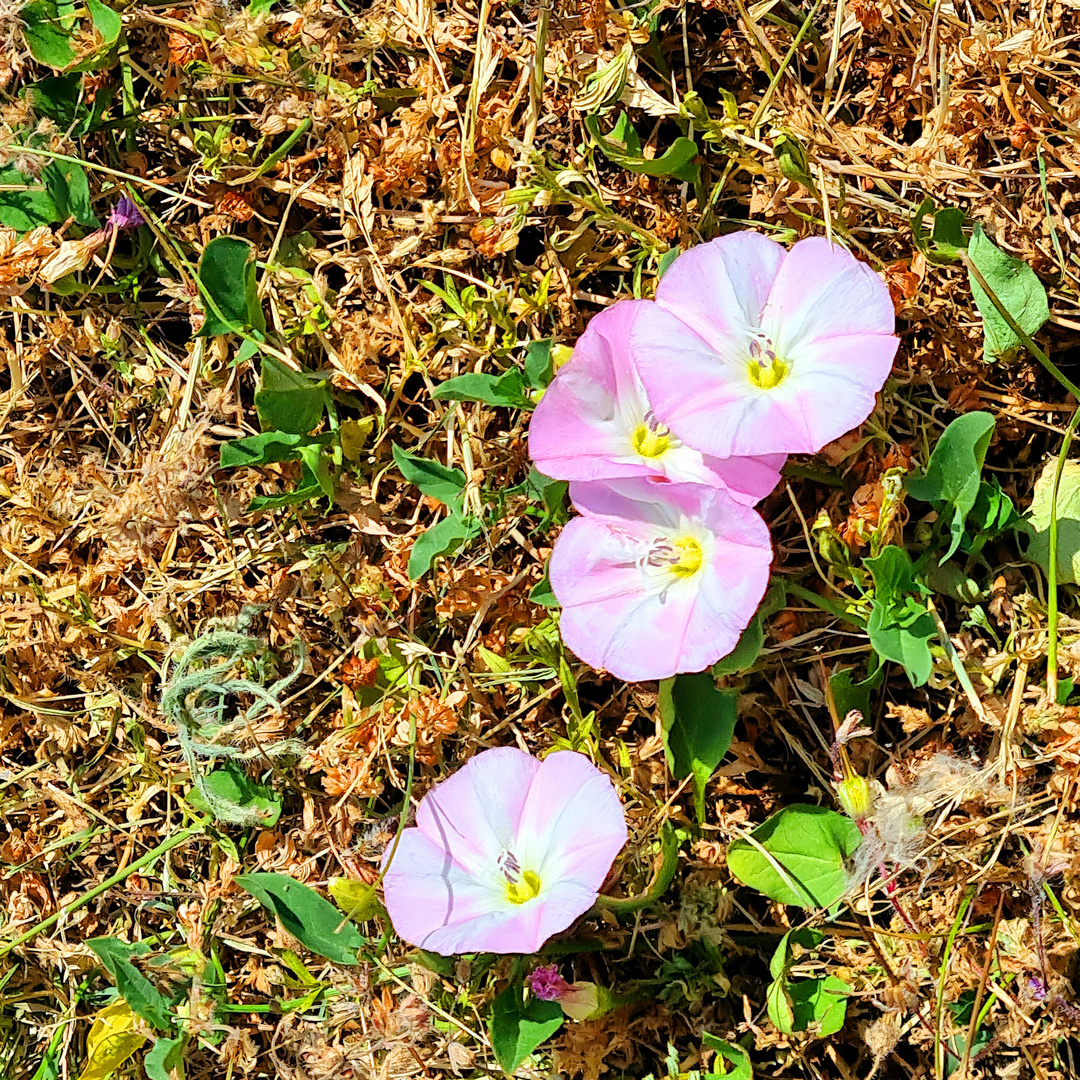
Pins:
x,y
112,1040
354,436
356,899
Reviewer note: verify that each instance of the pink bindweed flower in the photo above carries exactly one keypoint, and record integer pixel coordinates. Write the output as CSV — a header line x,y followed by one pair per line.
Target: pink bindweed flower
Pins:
x,y
579,1001
595,422
656,579
751,349
506,852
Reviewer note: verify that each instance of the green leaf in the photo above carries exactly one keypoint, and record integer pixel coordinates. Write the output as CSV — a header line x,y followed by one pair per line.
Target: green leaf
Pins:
x,y
106,21
542,594
735,1056
539,366
433,479
315,469
314,922
69,190
790,154
25,210
48,28
952,475
745,653
551,494
442,538
900,628
623,147
135,988
231,787
794,1006
1018,288
809,844
506,389
227,276
165,1058
698,722
662,266
945,243
1068,521
850,696
269,447
289,400
517,1029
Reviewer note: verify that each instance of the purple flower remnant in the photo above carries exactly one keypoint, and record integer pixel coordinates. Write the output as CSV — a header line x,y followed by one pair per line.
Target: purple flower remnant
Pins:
x,y
546,983
1035,985
124,215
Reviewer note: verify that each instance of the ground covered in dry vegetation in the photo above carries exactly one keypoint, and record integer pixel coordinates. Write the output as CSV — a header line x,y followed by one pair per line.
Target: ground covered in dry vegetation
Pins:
x,y
213,425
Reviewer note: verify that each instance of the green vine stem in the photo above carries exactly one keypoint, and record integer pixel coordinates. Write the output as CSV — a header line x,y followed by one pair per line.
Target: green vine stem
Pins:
x,y
661,879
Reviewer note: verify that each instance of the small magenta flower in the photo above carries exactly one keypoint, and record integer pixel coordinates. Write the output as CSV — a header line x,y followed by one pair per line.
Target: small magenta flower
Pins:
x,y
124,215
595,421
579,1001
751,349
656,579
506,852
546,983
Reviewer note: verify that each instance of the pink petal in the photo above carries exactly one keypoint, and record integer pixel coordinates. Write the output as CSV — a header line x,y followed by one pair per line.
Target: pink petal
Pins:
x,y
430,898
749,479
823,291
719,289
826,314
573,825
613,617
475,812
578,426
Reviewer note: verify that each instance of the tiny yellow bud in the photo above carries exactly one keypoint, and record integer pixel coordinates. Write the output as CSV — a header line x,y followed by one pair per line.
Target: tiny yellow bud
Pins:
x,y
855,797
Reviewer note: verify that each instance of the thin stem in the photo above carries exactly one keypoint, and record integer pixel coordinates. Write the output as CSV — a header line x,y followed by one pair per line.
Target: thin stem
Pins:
x,y
167,845
1052,568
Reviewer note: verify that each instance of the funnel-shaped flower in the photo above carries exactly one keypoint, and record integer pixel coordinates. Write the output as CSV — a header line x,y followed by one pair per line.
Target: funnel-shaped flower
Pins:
x,y
506,852
750,349
595,422
656,579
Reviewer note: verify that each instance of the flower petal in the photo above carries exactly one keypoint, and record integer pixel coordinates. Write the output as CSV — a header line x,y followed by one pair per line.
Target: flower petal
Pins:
x,y
433,902
573,824
719,289
616,617
474,813
583,423
823,291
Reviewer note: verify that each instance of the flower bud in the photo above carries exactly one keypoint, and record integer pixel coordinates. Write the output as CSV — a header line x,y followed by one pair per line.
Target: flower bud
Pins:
x,y
855,797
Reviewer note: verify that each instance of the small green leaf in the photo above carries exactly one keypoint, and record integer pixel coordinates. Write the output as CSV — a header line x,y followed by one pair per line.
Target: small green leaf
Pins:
x,y
227,275
809,844
946,241
48,28
952,475
69,190
745,653
900,628
135,988
165,1059
442,538
1018,288
698,722
623,147
517,1029
289,400
551,494
25,210
848,695
539,366
433,479
106,21
541,592
662,267
1068,521
822,1002
269,447
231,788
314,922
506,390
735,1056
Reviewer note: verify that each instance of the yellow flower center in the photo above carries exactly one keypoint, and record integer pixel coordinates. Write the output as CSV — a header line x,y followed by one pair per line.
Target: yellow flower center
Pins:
x,y
651,442
766,376
689,557
521,892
